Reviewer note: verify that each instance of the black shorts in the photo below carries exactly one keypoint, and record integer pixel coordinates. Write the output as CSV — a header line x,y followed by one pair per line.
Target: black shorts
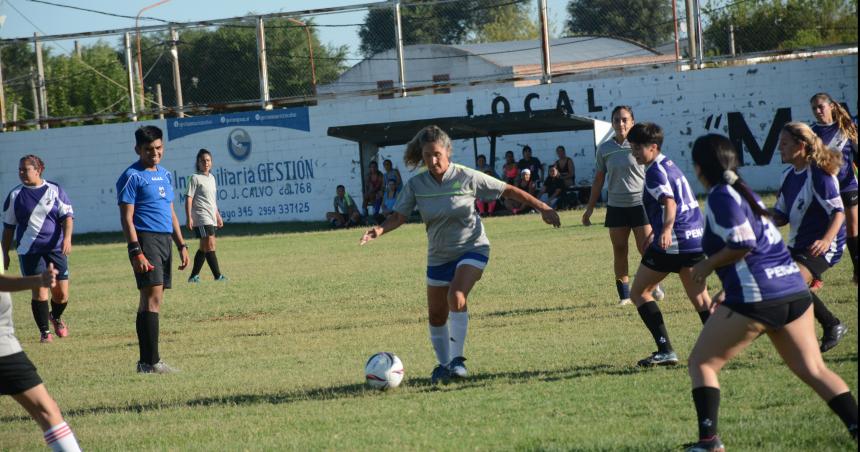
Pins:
x,y
670,263
816,265
625,217
207,230
35,264
17,374
156,247
849,198
777,313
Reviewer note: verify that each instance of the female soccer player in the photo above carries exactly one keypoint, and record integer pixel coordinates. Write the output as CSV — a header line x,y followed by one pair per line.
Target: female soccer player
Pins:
x,y
837,130
203,216
458,249
40,216
18,377
676,242
808,200
764,293
624,210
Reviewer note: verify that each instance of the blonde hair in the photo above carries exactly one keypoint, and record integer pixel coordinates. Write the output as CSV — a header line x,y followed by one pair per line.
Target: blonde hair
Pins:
x,y
431,134
840,115
829,160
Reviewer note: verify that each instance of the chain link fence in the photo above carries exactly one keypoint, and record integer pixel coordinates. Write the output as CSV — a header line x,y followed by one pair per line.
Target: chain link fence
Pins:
x,y
299,58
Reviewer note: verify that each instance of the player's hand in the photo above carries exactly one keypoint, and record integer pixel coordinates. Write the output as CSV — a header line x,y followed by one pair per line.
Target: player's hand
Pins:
x,y
665,240
140,264
371,234
67,246
190,224
586,216
700,271
550,216
716,301
818,248
49,276
183,256
219,223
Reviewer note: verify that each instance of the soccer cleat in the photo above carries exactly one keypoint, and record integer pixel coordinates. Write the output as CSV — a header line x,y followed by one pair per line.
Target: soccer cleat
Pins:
x,y
440,374
659,359
658,293
832,336
221,278
60,327
158,368
624,302
710,445
194,279
46,337
457,367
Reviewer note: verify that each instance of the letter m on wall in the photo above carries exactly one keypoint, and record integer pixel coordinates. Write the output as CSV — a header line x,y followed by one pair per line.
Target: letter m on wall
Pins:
x,y
743,139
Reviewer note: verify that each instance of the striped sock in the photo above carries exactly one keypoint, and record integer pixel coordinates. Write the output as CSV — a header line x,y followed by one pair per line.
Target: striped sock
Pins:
x,y
60,438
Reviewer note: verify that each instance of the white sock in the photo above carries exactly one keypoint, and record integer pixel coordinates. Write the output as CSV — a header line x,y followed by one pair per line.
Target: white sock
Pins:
x,y
440,340
459,325
60,438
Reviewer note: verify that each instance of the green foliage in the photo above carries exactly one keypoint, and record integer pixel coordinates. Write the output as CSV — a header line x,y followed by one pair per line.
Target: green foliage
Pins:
x,y
96,82
17,60
646,21
764,25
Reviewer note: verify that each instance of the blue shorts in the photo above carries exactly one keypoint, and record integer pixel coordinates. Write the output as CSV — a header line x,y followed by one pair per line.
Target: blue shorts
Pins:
x,y
442,275
35,264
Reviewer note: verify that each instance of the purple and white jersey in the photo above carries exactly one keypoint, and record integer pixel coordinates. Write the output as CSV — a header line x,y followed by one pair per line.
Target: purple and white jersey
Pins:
x,y
37,214
833,138
767,272
664,180
809,198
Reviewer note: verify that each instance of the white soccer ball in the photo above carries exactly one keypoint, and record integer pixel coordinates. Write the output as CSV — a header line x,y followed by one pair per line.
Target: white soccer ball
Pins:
x,y
383,371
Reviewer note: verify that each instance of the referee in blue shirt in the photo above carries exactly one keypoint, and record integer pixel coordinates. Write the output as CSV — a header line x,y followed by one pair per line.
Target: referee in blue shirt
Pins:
x,y
145,196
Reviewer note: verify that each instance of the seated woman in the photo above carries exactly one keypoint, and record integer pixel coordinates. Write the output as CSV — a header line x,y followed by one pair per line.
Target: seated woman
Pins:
x,y
373,189
389,198
553,188
345,210
526,184
509,169
566,168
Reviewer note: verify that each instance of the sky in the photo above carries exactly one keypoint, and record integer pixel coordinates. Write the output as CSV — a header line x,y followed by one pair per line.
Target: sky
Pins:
x,y
24,17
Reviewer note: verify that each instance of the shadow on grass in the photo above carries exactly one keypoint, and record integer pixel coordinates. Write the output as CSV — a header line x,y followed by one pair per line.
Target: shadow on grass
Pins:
x,y
230,230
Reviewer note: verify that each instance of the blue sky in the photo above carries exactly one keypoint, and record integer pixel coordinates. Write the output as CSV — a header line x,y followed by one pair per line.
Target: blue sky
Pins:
x,y
24,17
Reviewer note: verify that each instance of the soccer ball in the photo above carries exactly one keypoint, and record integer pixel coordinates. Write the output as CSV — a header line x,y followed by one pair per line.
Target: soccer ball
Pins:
x,y
383,370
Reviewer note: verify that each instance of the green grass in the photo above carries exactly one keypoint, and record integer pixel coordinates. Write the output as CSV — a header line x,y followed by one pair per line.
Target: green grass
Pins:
x,y
273,359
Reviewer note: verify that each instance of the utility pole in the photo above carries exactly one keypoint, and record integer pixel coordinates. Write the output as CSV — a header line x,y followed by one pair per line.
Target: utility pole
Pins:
x,y
129,71
691,32
177,81
36,115
544,32
262,65
398,31
40,68
2,98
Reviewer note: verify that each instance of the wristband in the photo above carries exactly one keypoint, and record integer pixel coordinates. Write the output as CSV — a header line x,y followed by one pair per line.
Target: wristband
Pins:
x,y
134,249
180,247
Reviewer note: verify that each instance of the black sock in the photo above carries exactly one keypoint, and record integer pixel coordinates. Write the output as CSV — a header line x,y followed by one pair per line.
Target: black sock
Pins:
x,y
151,324
851,242
623,289
57,309
707,401
653,319
199,258
845,406
40,314
213,264
142,338
703,315
822,314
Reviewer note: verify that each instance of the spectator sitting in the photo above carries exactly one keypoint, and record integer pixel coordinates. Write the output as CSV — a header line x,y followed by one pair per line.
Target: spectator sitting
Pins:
x,y
373,190
530,163
553,187
389,198
566,168
392,174
526,184
509,169
482,166
345,210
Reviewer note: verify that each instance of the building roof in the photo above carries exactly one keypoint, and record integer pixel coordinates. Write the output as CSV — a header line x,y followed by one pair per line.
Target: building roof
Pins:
x,y
563,50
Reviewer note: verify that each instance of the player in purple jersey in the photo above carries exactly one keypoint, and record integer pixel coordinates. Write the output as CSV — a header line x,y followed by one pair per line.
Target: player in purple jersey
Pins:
x,y
808,200
762,285
675,243
837,130
39,216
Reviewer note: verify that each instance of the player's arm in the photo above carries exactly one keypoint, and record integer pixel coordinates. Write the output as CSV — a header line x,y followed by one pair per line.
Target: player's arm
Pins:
x,y
725,256
547,213
188,220
6,244
139,262
179,240
68,227
48,278
394,221
596,188
821,246
669,208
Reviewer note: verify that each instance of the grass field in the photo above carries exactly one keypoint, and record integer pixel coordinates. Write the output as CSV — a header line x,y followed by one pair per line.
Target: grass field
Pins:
x,y
273,358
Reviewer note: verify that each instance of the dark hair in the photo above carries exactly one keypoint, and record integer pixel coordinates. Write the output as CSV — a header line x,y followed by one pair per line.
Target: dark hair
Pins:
x,y
413,156
339,187
622,107
646,133
33,160
527,148
147,134
388,161
718,162
511,153
560,147
201,153
481,156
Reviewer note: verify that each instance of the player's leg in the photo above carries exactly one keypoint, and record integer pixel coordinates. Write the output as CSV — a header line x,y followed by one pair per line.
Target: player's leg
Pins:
x,y
59,293
641,231
200,255
34,264
465,278
619,237
44,410
697,292
643,283
834,329
437,309
849,200
211,258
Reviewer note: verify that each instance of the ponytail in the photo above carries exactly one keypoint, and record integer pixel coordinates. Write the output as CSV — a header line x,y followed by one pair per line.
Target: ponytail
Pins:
x,y
829,160
718,161
413,156
843,120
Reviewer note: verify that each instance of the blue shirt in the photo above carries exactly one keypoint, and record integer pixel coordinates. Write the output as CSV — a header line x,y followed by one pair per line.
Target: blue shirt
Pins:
x,y
809,198
833,138
767,272
151,194
664,180
37,214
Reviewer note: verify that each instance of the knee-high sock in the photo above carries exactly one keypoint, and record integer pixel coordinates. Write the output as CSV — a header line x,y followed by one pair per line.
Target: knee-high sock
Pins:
x,y
57,309
199,258
707,401
152,336
142,337
458,326
213,264
60,438
852,250
40,314
822,314
623,289
653,319
440,339
845,406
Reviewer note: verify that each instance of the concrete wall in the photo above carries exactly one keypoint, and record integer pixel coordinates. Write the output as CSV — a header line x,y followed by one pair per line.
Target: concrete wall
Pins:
x,y
86,161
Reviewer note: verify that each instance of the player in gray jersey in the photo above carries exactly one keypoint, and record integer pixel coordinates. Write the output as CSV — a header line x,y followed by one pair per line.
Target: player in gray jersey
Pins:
x,y
203,216
458,250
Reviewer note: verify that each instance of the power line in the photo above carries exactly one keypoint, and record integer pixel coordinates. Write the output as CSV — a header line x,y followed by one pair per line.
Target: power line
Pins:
x,y
97,12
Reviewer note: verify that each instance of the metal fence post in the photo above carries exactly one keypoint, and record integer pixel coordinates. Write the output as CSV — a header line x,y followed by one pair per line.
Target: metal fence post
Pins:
x,y
177,81
262,65
2,99
700,44
544,33
15,116
36,115
732,39
398,32
159,101
691,32
43,91
129,71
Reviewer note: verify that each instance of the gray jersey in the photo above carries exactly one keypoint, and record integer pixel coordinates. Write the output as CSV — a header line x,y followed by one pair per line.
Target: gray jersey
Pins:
x,y
203,194
448,210
625,179
8,343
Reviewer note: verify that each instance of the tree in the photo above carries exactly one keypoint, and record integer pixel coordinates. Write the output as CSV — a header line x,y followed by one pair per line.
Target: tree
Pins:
x,y
511,22
761,25
646,21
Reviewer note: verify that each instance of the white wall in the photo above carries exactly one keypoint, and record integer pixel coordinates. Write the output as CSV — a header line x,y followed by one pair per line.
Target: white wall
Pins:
x,y
86,161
